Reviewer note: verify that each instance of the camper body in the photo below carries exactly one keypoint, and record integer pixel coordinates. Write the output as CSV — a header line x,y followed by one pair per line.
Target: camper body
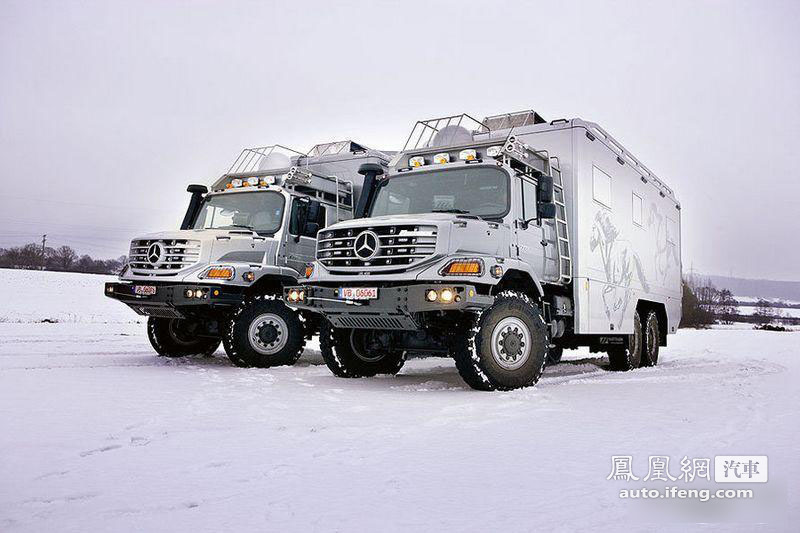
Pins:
x,y
500,244
220,277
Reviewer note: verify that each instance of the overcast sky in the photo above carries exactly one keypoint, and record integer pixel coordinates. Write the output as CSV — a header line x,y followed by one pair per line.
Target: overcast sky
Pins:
x,y
108,110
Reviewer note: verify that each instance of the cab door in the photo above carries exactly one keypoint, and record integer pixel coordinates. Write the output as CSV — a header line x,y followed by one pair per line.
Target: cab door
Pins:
x,y
306,218
530,237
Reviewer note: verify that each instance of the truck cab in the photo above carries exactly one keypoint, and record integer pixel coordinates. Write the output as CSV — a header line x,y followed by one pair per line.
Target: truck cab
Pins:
x,y
219,278
467,250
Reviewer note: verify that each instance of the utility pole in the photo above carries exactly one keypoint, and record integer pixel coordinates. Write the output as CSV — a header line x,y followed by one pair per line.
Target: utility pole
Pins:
x,y
44,240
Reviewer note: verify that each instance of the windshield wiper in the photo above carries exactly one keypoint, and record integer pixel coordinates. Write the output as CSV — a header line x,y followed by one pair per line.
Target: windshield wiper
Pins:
x,y
456,211
239,226
460,212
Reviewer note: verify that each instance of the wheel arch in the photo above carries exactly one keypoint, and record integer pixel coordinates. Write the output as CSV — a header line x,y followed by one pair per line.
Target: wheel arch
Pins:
x,y
270,285
645,306
522,281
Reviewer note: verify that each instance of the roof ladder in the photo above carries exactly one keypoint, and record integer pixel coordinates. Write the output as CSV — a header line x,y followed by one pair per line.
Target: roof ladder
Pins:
x,y
561,224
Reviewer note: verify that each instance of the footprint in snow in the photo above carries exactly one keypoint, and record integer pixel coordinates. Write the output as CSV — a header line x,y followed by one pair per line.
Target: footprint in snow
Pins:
x,y
100,450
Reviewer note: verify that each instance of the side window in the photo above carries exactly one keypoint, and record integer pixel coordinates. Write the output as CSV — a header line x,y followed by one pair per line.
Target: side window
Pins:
x,y
528,199
601,187
298,208
637,209
306,212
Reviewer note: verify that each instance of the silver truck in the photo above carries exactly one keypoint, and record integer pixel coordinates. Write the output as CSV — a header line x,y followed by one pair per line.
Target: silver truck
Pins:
x,y
500,243
220,277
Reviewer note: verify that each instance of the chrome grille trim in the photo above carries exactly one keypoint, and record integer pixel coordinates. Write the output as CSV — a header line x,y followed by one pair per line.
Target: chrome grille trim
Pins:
x,y
177,254
400,247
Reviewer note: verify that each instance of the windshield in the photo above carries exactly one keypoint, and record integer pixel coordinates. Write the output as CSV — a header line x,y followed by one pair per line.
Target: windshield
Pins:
x,y
479,191
259,211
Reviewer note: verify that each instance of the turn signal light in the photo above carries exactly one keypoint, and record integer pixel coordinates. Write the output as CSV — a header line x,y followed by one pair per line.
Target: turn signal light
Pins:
x,y
463,267
218,273
309,270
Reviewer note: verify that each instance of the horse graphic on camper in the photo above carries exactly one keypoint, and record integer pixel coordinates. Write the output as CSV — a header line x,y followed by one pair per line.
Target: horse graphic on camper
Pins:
x,y
621,264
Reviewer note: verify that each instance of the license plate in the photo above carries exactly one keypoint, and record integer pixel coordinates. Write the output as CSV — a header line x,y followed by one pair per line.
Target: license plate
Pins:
x,y
144,290
358,293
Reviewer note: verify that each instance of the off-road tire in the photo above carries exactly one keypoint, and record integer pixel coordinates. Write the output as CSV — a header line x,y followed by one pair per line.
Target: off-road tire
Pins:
x,y
629,355
651,338
343,360
167,340
554,354
473,354
256,313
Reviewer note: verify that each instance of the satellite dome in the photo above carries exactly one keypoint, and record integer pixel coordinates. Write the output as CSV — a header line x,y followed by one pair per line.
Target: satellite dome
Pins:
x,y
274,161
450,136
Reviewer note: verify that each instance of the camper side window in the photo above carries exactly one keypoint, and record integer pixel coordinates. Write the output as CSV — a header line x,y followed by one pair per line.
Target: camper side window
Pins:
x,y
637,209
601,187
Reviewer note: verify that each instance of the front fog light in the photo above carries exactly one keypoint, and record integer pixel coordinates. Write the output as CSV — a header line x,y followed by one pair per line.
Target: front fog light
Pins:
x,y
294,295
431,295
109,289
446,296
189,293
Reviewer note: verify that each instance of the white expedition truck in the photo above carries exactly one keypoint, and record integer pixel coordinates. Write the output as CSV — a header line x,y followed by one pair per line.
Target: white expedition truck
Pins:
x,y
220,277
500,243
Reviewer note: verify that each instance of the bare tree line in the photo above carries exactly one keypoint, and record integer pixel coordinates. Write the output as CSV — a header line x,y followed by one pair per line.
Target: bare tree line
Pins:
x,y
64,258
704,304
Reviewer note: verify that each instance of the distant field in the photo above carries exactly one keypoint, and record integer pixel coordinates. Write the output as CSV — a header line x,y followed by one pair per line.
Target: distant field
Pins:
x,y
35,296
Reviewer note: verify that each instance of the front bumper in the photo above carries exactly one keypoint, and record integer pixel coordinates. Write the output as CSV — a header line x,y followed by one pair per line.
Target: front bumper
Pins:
x,y
170,300
395,308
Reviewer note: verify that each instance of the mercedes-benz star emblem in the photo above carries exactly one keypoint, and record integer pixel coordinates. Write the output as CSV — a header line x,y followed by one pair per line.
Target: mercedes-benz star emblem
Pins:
x,y
366,245
154,252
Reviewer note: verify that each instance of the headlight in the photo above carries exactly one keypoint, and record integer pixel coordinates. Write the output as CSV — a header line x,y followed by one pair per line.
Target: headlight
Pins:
x,y
431,295
218,272
463,267
446,296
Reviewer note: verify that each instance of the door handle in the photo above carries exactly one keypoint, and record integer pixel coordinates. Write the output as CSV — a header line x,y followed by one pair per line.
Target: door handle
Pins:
x,y
223,238
544,242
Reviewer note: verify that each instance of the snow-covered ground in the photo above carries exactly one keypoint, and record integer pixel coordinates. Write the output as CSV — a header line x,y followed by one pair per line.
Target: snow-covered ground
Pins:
x,y
97,433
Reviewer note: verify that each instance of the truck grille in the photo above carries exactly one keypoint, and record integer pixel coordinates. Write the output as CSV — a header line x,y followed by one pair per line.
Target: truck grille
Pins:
x,y
380,248
162,257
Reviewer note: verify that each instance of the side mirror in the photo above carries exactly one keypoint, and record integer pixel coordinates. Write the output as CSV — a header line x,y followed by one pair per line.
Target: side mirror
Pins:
x,y
197,189
546,210
311,228
544,189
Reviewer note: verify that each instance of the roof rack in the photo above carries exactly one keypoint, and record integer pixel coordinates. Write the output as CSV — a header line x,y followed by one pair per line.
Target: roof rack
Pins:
x,y
335,148
512,120
425,131
250,159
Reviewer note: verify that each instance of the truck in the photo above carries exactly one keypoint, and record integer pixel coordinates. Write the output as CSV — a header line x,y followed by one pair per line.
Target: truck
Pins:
x,y
220,277
500,243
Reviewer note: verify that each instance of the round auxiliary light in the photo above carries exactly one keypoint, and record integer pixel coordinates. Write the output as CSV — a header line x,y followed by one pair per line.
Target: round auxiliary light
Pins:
x,y
431,295
446,296
189,293
301,295
293,295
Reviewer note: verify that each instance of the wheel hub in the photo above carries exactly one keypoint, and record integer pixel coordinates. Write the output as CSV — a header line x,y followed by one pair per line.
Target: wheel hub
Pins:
x,y
511,341
268,334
